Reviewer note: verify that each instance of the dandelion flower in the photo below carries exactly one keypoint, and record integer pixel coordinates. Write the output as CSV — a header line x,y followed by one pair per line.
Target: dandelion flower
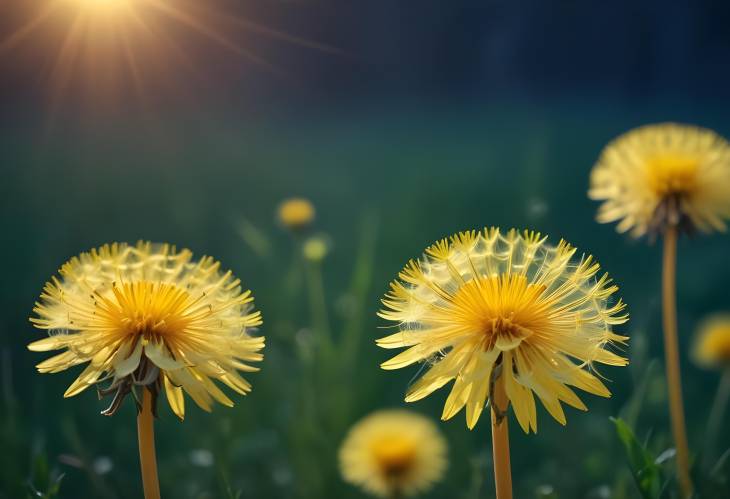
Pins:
x,y
147,315
712,342
393,453
149,318
664,174
315,248
663,180
296,213
487,308
712,350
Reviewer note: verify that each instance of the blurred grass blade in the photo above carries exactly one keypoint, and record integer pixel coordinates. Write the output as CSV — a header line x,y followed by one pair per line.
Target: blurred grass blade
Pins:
x,y
360,285
254,238
645,469
44,483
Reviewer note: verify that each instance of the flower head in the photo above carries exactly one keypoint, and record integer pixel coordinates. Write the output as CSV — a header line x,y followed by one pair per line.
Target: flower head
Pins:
x,y
485,307
712,342
666,174
296,213
315,248
148,315
393,452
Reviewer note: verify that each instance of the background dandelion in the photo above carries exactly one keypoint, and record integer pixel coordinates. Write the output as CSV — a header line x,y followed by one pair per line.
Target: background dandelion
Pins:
x,y
665,180
712,350
393,453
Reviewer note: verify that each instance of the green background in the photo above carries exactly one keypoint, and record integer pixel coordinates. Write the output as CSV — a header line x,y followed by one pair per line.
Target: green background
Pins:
x,y
397,179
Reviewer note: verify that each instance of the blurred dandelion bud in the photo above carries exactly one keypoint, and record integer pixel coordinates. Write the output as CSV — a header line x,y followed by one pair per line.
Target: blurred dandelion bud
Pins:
x,y
393,453
712,342
315,248
296,213
711,349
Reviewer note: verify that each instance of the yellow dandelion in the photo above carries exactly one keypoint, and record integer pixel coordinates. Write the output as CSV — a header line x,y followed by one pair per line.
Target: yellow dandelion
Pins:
x,y
486,308
712,350
296,213
664,174
506,316
712,342
663,180
149,318
393,453
315,248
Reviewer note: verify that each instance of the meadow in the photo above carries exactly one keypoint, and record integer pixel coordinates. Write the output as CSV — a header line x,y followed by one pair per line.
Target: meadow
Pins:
x,y
384,186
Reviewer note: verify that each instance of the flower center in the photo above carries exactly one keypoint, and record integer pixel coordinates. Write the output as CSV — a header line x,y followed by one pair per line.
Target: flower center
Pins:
x,y
395,455
502,310
148,309
672,174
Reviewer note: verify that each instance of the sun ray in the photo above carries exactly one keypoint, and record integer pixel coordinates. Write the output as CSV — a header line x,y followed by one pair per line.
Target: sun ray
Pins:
x,y
103,49
280,35
28,28
202,29
65,61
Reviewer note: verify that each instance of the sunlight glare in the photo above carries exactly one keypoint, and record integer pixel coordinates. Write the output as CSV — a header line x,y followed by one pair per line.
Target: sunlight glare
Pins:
x,y
102,50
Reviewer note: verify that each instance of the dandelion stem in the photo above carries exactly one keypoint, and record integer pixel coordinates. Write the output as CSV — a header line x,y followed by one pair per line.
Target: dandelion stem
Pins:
x,y
671,354
318,304
717,412
500,443
147,459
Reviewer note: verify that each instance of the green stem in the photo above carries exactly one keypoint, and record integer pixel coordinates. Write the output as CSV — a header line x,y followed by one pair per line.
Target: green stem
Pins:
x,y
318,305
719,405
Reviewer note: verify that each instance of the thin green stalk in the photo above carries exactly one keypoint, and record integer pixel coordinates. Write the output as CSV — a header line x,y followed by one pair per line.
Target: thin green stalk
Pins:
x,y
318,305
359,287
719,405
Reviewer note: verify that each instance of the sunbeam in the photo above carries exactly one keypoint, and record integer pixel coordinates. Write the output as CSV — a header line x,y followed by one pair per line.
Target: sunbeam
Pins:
x,y
105,49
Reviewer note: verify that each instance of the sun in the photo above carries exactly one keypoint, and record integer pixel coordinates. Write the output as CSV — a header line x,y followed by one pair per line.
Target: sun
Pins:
x,y
102,51
98,4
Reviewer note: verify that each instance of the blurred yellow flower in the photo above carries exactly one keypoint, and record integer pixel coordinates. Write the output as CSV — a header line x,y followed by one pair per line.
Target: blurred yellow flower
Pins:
x,y
712,342
296,213
315,248
486,308
393,453
148,315
664,174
